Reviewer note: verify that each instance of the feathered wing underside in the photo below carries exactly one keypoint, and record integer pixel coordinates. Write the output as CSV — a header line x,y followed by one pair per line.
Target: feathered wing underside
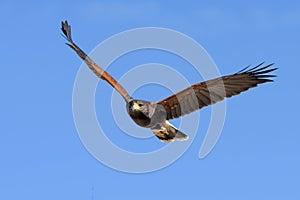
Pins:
x,y
99,72
166,132
215,90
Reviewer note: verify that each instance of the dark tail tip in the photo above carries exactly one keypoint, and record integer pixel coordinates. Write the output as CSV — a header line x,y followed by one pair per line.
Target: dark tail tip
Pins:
x,y
66,29
181,136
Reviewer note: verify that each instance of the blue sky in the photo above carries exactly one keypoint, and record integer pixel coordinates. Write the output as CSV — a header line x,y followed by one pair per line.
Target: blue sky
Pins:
x,y
42,157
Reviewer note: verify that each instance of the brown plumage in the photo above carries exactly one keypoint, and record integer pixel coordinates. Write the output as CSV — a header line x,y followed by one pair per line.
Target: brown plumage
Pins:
x,y
215,90
66,29
155,115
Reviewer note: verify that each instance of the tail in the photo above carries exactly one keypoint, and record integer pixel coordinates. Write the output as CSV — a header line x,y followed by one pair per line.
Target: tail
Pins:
x,y
168,133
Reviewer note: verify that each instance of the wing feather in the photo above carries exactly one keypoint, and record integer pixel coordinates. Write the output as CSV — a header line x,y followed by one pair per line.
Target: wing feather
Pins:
x,y
215,90
98,71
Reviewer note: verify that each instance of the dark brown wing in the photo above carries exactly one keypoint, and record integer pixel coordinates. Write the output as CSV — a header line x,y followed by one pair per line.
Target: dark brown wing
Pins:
x,y
66,29
209,92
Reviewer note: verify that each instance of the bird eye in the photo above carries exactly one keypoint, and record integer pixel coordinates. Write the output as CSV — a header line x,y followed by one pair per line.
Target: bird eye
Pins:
x,y
140,105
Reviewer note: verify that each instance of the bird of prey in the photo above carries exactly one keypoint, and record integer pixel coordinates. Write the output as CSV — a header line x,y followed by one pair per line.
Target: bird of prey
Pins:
x,y
155,115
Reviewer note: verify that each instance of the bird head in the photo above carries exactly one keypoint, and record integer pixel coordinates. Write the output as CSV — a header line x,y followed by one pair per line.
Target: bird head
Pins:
x,y
137,106
139,111
146,114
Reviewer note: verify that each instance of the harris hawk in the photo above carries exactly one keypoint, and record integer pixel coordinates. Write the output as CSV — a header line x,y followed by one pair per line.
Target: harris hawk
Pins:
x,y
155,115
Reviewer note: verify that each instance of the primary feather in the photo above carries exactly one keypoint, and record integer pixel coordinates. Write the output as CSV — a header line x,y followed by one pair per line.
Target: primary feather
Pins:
x,y
209,92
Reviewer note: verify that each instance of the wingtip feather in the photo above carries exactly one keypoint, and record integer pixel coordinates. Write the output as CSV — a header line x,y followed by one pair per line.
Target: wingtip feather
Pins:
x,y
66,29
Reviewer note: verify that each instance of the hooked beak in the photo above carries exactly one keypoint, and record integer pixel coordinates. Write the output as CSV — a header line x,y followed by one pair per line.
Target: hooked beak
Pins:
x,y
136,106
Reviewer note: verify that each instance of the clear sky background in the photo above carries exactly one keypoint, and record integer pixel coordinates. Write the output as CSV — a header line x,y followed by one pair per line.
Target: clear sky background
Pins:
x,y
41,155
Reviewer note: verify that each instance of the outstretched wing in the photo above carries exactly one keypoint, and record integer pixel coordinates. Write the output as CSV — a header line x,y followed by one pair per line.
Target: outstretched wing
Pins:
x,y
209,92
66,29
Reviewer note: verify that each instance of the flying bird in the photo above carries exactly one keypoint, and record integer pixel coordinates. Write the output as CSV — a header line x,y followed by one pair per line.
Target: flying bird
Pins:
x,y
155,115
